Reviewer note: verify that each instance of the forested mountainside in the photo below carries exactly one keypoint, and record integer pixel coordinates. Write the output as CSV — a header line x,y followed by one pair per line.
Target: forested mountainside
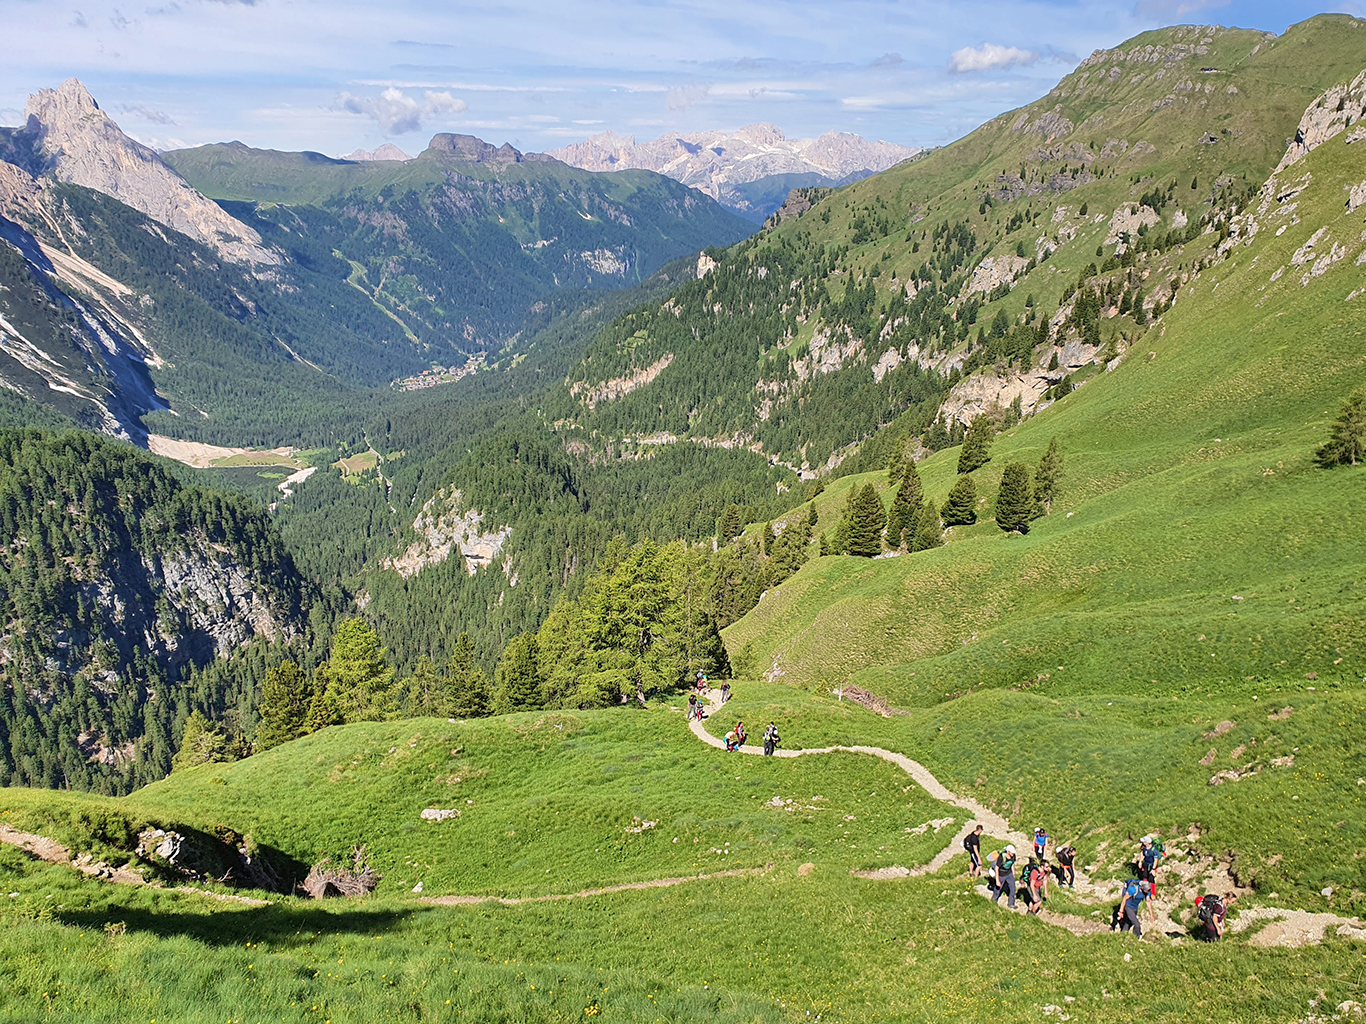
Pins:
x,y
984,284
959,277
116,579
145,306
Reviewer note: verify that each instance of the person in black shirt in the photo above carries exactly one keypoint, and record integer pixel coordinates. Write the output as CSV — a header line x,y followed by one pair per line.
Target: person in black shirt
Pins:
x,y
972,842
1067,870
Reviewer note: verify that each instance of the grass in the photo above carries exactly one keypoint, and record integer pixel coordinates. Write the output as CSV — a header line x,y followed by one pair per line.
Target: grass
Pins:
x,y
768,947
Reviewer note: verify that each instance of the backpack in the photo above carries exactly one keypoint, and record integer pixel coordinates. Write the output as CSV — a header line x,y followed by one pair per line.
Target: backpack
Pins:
x,y
1159,849
1208,907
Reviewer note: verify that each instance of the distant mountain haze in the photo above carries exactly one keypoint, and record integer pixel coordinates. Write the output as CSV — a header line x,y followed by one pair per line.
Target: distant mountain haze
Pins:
x,y
733,167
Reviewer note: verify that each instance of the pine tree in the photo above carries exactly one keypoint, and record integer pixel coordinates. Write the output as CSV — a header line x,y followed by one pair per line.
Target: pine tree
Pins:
x,y
929,529
960,509
285,696
1347,438
864,521
1048,477
905,508
466,689
977,444
895,468
517,679
1015,502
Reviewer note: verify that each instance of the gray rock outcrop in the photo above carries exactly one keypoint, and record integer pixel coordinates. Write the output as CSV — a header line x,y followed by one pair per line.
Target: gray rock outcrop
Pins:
x,y
68,136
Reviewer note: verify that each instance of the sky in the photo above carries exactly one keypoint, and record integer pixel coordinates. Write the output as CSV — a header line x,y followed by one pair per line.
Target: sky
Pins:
x,y
337,75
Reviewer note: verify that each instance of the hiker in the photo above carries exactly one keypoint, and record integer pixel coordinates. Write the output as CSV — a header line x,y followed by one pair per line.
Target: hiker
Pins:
x,y
1211,910
1036,885
1003,875
725,691
701,682
1040,844
735,739
972,842
1150,852
1066,870
771,739
1135,893
692,706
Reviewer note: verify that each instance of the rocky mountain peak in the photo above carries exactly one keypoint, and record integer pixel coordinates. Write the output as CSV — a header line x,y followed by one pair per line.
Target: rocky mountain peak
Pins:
x,y
388,151
67,136
474,150
69,102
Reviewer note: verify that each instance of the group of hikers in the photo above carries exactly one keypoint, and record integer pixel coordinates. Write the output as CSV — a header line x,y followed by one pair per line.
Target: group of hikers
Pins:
x,y
1137,892
1032,883
735,739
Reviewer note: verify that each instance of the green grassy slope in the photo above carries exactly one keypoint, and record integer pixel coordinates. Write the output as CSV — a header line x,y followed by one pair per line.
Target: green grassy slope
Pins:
x,y
1189,483
768,947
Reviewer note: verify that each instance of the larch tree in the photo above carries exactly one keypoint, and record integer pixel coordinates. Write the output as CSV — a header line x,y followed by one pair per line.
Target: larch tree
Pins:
x,y
465,693
517,679
1048,477
359,681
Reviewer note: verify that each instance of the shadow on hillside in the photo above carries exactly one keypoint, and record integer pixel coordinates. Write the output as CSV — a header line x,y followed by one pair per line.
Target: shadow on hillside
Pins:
x,y
281,924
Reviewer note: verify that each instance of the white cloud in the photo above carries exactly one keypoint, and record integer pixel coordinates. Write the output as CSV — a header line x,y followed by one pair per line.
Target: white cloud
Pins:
x,y
681,97
397,113
147,114
888,60
991,57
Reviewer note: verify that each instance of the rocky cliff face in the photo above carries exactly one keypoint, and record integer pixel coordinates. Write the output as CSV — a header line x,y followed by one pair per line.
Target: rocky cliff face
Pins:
x,y
718,162
67,135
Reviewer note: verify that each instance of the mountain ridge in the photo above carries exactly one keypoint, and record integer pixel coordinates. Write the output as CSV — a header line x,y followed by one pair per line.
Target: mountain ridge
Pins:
x,y
731,166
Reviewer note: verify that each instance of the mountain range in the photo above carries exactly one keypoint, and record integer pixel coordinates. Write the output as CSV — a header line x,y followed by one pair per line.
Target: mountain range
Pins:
x,y
749,170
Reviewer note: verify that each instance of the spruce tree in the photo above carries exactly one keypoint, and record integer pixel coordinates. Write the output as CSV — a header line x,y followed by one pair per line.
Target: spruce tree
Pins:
x,y
864,521
905,508
960,509
424,690
977,444
929,529
1347,438
1048,477
1015,502
895,468
517,679
285,696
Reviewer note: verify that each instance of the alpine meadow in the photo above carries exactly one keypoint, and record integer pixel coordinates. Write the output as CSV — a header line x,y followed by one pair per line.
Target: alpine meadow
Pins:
x,y
998,514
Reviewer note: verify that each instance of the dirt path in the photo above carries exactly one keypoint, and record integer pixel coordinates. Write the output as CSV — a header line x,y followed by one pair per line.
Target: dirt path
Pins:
x,y
654,883
992,823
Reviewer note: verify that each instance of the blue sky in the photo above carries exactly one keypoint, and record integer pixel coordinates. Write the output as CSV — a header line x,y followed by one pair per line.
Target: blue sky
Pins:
x,y
333,75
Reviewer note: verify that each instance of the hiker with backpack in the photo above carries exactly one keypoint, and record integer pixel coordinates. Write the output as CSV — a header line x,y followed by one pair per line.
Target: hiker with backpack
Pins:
x,y
1135,893
725,691
771,739
1066,870
692,706
1211,910
1036,885
1040,844
1003,875
972,842
735,739
1150,852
